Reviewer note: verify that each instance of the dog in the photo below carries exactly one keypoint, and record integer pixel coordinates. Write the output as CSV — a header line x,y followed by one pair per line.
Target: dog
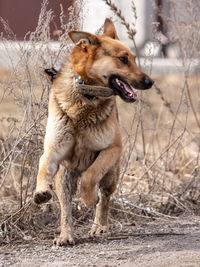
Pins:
x,y
83,139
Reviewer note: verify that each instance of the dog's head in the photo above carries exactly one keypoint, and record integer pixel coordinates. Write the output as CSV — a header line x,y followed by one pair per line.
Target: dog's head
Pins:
x,y
104,60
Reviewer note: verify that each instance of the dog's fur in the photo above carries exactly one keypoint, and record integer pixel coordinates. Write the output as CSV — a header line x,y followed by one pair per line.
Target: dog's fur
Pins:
x,y
83,135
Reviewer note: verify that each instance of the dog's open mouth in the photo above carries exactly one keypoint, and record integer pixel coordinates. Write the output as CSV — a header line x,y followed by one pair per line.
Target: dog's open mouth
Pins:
x,y
122,88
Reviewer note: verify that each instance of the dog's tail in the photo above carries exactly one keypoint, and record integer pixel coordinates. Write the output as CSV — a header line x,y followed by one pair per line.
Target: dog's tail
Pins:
x,y
51,74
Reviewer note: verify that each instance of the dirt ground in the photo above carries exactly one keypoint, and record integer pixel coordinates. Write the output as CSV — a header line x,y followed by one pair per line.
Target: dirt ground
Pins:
x,y
168,242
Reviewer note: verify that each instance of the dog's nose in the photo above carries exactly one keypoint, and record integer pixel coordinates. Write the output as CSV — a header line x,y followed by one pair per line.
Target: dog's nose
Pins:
x,y
148,82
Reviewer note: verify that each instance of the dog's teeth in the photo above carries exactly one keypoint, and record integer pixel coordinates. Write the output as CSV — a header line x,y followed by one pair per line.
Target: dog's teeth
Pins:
x,y
118,82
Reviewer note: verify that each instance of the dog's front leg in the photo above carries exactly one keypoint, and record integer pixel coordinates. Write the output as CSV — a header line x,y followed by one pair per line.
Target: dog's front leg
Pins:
x,y
66,184
57,146
48,167
93,175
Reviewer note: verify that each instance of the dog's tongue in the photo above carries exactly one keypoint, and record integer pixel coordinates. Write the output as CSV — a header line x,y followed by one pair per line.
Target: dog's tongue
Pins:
x,y
128,89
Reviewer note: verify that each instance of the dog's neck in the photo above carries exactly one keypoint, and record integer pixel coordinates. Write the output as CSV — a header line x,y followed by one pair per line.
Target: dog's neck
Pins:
x,y
76,105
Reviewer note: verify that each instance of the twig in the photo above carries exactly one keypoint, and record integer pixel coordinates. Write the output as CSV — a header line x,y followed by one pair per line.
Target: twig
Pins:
x,y
192,105
161,154
94,90
25,207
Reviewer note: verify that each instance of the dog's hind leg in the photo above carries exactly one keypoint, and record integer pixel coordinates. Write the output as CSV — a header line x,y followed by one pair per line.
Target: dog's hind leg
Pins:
x,y
106,188
66,184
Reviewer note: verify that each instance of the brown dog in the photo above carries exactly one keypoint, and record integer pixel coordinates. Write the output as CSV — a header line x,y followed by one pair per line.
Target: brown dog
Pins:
x,y
82,135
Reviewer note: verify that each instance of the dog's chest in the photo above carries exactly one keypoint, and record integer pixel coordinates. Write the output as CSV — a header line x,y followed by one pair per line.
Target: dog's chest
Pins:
x,y
97,138
89,143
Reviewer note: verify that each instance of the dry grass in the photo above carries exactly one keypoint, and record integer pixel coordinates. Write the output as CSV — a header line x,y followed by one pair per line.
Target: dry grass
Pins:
x,y
160,166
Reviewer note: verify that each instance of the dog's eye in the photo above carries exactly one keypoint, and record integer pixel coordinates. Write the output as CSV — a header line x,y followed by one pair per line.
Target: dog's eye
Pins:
x,y
124,60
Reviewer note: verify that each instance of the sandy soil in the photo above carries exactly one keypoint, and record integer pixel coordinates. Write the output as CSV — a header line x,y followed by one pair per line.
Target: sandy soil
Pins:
x,y
161,243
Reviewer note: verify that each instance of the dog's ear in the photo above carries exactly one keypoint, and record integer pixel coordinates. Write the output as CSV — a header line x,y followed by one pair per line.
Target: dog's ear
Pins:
x,y
109,29
83,39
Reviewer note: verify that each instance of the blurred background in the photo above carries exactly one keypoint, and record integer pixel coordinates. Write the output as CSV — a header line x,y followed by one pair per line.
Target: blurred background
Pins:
x,y
150,20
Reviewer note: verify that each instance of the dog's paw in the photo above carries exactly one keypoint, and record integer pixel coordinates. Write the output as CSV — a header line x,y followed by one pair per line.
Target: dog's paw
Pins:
x,y
42,196
64,241
90,198
98,230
